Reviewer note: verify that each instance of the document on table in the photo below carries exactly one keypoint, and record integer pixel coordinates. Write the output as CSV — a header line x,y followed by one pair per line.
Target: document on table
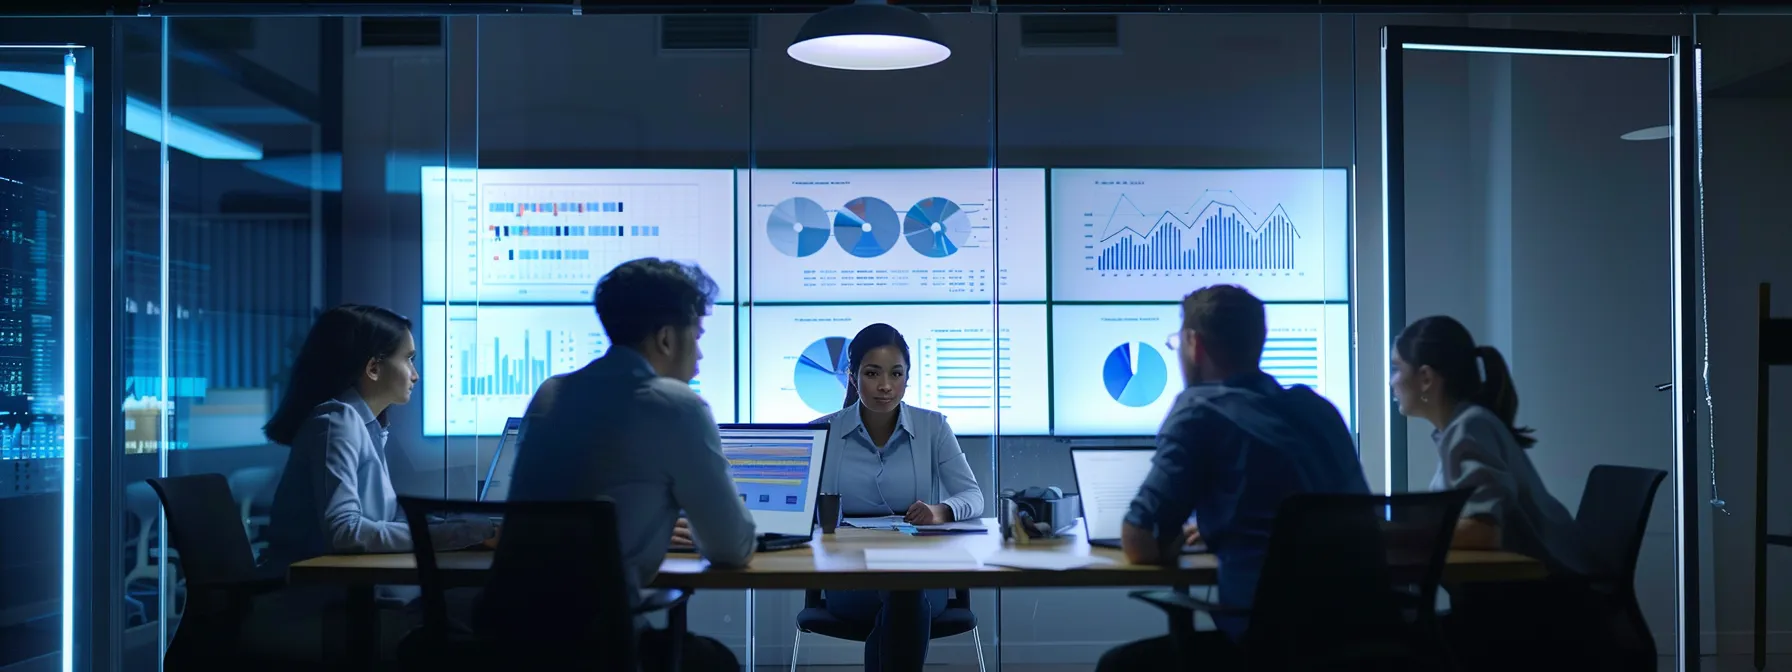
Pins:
x,y
1049,560
913,559
955,526
873,523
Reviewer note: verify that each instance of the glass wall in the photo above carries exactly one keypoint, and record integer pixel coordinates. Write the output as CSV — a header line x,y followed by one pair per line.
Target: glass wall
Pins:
x,y
1028,214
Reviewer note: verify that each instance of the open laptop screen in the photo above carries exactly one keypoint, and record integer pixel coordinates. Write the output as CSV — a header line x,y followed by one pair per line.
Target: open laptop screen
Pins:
x,y
1107,480
497,476
777,470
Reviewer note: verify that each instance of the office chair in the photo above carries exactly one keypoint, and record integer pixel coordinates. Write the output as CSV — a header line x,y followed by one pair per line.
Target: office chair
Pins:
x,y
1613,517
815,618
557,595
222,578
1349,582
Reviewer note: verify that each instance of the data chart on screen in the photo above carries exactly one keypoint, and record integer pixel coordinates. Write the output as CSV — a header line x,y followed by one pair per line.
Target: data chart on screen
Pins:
x,y
967,361
541,235
1115,374
1156,234
949,234
485,362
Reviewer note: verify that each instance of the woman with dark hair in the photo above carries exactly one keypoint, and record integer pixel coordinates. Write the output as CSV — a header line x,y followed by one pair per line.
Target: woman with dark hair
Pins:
x,y
336,495
1466,393
887,458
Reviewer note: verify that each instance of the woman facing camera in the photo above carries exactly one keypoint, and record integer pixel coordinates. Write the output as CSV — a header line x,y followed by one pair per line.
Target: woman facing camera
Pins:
x,y
888,458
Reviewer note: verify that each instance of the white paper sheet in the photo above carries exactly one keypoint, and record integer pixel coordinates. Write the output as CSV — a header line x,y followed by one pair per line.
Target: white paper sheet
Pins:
x,y
910,559
873,523
1046,560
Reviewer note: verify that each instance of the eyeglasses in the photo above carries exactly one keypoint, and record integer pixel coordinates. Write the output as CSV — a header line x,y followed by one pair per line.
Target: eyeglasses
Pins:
x,y
1174,340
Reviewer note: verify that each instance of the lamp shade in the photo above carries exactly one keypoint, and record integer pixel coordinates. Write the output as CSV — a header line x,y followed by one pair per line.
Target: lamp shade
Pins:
x,y
868,35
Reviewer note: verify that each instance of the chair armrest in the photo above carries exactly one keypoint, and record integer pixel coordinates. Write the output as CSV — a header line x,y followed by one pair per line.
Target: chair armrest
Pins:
x,y
1178,604
661,600
812,599
960,599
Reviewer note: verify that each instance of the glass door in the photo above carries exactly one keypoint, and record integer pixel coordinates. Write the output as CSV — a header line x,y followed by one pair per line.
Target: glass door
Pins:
x,y
1541,188
44,93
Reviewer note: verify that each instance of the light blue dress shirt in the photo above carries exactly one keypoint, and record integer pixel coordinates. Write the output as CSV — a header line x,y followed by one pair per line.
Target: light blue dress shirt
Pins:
x,y
1477,451
336,495
617,429
922,461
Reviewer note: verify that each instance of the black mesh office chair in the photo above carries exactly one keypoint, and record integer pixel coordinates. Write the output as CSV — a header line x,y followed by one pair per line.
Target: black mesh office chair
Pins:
x,y
1349,582
222,577
956,619
1613,517
556,596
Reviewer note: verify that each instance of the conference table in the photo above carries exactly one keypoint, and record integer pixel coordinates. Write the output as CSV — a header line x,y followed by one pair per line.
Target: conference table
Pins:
x,y
854,559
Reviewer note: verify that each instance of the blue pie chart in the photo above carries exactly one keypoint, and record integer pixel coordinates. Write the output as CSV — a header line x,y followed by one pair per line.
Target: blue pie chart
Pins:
x,y
798,227
822,372
1135,374
866,227
936,227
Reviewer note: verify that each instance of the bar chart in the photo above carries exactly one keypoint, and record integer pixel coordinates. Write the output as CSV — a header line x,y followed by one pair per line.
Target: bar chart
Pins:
x,y
493,358
1156,234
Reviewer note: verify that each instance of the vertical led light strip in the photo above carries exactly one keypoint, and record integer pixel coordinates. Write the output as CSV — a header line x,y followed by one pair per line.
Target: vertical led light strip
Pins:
x,y
1682,182
69,291
1387,291
166,411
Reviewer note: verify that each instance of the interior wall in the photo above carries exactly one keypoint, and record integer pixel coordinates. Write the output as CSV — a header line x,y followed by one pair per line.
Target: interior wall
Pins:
x,y
397,104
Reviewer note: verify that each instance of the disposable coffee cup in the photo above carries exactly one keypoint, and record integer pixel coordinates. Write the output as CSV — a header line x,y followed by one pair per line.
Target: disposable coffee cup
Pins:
x,y
827,511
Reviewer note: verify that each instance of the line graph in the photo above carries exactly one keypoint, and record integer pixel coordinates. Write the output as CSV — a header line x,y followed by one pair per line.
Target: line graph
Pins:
x,y
1154,234
1220,232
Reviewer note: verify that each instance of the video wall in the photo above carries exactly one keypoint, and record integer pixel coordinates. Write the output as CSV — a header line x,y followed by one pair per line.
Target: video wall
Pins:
x,y
1035,301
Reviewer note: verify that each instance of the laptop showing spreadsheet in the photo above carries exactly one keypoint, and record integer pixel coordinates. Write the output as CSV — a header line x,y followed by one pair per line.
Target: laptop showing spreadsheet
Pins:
x,y
777,470
1107,480
497,476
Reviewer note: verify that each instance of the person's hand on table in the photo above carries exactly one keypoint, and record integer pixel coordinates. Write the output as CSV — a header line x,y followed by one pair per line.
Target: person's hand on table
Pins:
x,y
1191,535
681,534
492,543
922,513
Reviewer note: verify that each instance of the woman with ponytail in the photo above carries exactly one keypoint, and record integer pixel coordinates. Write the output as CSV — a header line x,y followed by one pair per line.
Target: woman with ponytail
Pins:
x,y
1465,391
887,458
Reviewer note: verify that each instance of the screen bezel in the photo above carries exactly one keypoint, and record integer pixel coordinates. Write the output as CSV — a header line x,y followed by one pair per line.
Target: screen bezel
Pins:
x,y
789,522
513,428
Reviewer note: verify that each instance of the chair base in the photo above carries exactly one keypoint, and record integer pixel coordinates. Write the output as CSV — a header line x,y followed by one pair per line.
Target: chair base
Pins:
x,y
796,647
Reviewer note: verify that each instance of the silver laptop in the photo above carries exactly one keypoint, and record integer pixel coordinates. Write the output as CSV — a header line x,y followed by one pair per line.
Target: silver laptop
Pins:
x,y
777,471
1107,480
497,477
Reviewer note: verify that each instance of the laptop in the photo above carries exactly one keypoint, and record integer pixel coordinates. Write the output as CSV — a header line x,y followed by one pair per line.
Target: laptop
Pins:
x,y
497,477
1107,480
777,471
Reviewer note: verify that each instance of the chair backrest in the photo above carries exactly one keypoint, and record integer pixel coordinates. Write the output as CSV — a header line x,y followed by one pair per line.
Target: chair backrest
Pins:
x,y
557,588
1613,516
1346,574
204,529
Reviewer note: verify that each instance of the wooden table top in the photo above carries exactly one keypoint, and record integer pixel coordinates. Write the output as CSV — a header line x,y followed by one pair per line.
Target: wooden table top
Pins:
x,y
837,562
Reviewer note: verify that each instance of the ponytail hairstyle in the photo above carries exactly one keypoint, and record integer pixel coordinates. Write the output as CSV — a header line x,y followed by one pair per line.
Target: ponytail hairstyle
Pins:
x,y
1471,373
870,338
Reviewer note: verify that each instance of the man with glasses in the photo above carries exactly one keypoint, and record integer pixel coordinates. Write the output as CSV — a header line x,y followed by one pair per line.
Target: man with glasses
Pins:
x,y
1234,445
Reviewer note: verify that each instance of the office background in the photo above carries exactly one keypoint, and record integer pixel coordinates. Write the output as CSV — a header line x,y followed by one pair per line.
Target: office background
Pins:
x,y
295,175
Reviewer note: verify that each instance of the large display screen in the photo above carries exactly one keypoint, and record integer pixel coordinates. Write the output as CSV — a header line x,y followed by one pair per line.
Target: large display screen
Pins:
x,y
896,235
490,359
966,361
1114,374
1157,234
546,236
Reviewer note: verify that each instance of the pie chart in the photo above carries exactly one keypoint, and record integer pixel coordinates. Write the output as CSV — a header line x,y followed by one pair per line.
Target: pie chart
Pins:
x,y
1134,374
821,374
798,227
936,227
866,227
